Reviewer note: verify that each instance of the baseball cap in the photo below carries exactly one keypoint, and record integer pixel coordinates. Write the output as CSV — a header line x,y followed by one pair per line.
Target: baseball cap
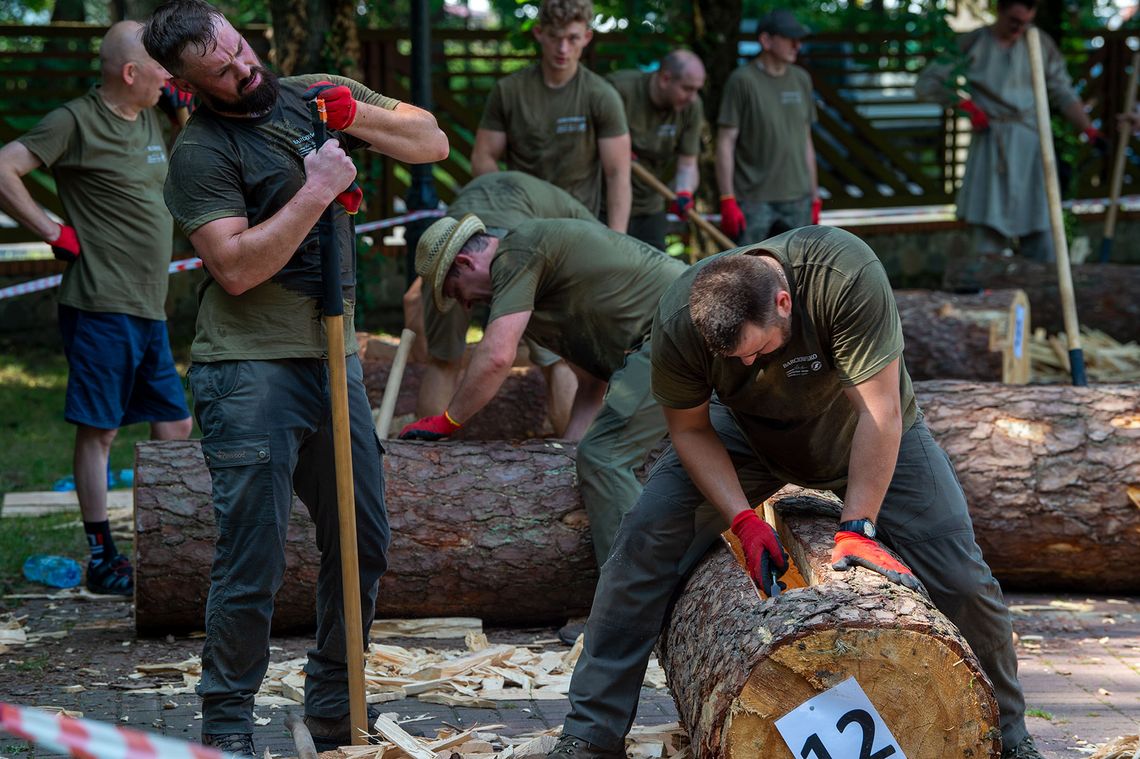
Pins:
x,y
783,23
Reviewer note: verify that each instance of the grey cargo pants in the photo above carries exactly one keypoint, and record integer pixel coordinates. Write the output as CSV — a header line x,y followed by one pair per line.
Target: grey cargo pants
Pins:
x,y
924,519
267,432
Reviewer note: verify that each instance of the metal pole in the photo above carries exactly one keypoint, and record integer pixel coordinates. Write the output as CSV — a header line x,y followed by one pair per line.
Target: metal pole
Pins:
x,y
421,195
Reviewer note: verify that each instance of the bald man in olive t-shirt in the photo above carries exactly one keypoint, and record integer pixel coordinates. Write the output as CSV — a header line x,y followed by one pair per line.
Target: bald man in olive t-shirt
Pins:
x,y
820,398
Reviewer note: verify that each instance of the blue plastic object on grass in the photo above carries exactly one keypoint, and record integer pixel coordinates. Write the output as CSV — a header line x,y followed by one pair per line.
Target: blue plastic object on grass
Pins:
x,y
124,478
56,571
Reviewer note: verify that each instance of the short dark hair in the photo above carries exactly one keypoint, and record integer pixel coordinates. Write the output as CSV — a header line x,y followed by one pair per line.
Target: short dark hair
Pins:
x,y
729,292
476,243
177,24
1006,4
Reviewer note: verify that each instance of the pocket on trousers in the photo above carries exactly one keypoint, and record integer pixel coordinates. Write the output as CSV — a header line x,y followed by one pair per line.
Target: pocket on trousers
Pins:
x,y
214,381
242,479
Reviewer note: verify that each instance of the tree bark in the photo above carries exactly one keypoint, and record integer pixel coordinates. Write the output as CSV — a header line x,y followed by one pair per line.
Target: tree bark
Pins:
x,y
494,529
1105,293
736,663
1052,476
948,336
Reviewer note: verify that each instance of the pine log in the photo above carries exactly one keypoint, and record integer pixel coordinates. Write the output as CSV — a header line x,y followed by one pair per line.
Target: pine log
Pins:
x,y
950,336
1052,476
1105,293
736,663
494,528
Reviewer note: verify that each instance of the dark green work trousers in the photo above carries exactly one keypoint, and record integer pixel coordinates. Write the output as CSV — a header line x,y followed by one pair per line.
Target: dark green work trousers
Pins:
x,y
923,518
267,432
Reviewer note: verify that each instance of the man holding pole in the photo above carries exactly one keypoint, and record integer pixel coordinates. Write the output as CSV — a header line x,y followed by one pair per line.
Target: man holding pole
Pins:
x,y
248,185
665,120
1002,194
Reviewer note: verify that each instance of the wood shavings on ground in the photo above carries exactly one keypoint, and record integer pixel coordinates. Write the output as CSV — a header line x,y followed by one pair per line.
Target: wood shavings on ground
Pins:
x,y
666,741
12,633
1127,747
479,677
1106,360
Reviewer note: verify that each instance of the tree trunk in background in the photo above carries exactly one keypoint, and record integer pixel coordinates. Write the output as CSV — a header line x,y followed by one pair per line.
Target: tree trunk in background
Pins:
x,y
947,336
68,10
311,36
716,26
736,663
138,10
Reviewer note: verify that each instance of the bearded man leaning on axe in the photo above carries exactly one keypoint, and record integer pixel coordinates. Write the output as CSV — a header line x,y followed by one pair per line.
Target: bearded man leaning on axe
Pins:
x,y
248,185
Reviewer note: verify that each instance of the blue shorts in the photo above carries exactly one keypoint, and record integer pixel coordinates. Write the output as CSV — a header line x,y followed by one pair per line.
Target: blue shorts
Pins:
x,y
121,370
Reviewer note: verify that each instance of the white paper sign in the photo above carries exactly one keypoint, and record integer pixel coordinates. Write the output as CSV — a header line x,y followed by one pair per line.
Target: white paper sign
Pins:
x,y
840,723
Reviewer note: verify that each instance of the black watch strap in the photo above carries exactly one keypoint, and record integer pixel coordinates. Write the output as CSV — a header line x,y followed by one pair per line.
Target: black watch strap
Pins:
x,y
864,527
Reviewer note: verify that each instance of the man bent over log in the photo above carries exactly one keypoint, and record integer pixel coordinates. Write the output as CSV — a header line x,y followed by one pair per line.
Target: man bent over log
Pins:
x,y
582,291
248,184
775,363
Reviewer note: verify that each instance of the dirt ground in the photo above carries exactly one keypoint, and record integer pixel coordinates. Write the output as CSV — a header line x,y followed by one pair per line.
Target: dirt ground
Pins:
x,y
1079,661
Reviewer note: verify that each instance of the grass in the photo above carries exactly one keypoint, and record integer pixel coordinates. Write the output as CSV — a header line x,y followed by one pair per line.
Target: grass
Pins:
x,y
1038,713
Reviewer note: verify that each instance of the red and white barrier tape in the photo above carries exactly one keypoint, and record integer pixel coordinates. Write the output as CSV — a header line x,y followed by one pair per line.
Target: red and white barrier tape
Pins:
x,y
395,221
88,739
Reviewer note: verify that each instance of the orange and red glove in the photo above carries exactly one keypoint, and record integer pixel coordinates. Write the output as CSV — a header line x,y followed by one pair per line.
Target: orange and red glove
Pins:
x,y
731,217
340,105
816,208
681,203
351,198
430,428
763,554
66,246
171,99
979,121
1097,139
855,550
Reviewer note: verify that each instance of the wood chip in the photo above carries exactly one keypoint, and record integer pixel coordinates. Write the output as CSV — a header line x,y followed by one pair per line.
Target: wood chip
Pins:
x,y
433,627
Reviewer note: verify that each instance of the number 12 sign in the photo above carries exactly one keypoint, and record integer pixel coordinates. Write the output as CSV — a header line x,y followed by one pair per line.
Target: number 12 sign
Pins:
x,y
840,723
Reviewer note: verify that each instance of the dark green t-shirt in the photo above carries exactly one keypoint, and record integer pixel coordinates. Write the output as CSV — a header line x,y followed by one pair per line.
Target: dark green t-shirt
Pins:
x,y
774,115
505,199
659,135
791,406
109,174
227,167
593,291
553,133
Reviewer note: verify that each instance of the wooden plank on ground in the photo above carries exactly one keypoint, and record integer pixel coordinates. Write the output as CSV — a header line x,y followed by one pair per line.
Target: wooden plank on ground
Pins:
x,y
40,503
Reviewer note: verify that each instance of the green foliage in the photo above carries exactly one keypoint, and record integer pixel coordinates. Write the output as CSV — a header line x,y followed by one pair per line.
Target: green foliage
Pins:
x,y
1038,713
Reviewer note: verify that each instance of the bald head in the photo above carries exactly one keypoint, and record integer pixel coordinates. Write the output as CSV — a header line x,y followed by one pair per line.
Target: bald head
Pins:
x,y
680,62
130,76
122,44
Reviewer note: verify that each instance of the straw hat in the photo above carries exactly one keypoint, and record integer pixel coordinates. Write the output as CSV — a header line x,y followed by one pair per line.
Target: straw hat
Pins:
x,y
437,249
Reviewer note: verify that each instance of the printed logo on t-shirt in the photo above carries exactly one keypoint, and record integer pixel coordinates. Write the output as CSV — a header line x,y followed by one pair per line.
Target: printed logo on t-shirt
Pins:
x,y
570,124
667,130
802,365
791,97
155,154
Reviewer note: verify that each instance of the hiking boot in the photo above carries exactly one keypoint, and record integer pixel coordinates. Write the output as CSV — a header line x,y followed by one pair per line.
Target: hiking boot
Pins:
x,y
570,631
112,577
237,744
1025,749
330,733
570,747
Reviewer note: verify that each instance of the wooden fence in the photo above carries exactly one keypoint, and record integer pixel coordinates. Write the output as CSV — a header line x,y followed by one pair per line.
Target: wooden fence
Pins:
x,y
877,145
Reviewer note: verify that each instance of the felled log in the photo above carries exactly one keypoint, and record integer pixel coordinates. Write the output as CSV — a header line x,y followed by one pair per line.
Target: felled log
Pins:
x,y
493,528
1052,476
517,412
1105,293
736,663
976,337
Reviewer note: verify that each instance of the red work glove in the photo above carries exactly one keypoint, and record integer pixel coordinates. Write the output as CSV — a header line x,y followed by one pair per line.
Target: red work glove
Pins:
x,y
855,550
172,98
66,246
351,198
1096,139
731,217
816,207
340,106
979,121
681,203
763,554
430,428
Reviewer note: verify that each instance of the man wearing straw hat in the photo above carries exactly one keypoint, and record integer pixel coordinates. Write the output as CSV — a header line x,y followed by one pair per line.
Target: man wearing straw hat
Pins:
x,y
582,291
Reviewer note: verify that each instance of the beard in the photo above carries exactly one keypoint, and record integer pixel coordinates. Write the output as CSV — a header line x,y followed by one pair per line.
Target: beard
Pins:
x,y
249,103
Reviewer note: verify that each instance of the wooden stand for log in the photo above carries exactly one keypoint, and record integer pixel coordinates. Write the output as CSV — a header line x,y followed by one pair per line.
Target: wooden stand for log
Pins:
x,y
978,337
736,664
495,528
1052,476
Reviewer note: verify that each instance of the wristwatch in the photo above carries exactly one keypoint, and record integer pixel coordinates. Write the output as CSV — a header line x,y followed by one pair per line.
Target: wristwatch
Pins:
x,y
859,526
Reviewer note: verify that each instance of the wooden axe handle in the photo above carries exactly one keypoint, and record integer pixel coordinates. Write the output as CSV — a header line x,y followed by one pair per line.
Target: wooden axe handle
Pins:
x,y
659,187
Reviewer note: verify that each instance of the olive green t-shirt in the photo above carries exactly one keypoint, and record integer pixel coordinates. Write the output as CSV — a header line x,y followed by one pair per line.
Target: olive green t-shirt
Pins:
x,y
504,199
109,173
659,135
225,167
791,406
593,291
553,133
774,115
